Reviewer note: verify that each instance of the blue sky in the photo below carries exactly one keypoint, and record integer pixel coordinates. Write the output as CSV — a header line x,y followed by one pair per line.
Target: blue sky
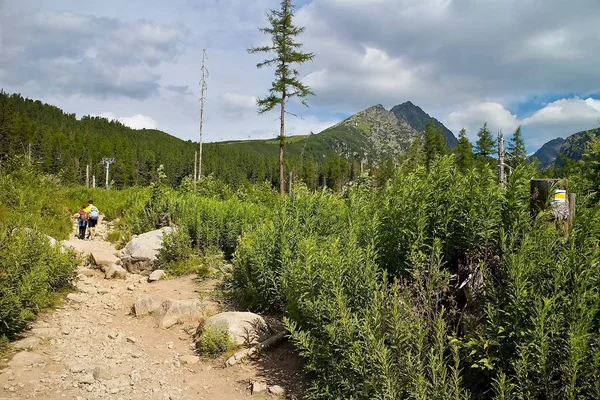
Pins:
x,y
508,62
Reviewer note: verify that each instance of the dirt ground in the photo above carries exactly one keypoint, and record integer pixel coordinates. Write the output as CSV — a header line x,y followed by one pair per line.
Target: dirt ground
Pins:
x,y
92,346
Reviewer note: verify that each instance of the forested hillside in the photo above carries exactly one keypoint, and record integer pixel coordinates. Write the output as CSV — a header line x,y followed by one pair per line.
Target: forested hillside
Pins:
x,y
61,144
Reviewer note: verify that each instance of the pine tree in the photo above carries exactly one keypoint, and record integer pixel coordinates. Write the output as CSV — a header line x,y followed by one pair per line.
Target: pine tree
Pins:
x,y
486,145
286,84
435,145
464,151
516,148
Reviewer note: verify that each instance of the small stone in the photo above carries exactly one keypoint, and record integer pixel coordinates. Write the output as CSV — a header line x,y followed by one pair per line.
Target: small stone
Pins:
x,y
156,275
146,304
189,359
131,339
113,335
114,390
77,368
115,272
170,345
101,373
258,387
87,379
276,390
66,331
131,288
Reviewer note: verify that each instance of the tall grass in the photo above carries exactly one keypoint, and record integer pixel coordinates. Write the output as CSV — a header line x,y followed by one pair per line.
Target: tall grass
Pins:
x,y
440,286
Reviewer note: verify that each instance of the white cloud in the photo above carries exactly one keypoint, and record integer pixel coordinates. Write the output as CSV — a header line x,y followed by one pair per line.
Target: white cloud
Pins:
x,y
137,121
560,118
238,101
466,56
473,117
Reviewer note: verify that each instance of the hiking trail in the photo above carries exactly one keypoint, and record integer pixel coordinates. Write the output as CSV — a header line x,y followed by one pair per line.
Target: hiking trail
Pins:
x,y
92,346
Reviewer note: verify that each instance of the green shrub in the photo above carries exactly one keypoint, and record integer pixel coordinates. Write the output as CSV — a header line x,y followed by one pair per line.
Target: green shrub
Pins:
x,y
32,274
214,341
371,286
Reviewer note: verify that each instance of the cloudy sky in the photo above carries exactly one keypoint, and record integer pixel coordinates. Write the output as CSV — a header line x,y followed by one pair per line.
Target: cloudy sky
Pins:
x,y
507,62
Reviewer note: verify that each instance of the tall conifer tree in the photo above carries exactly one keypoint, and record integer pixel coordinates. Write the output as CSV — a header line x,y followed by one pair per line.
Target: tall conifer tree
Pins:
x,y
287,53
486,145
464,151
516,148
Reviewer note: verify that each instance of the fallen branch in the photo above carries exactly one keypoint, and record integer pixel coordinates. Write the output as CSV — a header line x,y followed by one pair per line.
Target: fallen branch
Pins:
x,y
265,345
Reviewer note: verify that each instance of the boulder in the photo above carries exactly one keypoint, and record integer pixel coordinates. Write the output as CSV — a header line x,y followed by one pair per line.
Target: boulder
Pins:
x,y
244,327
146,304
157,275
104,258
140,254
29,343
115,272
172,312
26,358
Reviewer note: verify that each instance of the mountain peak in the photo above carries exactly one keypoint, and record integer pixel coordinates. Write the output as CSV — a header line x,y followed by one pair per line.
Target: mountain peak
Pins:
x,y
418,119
377,107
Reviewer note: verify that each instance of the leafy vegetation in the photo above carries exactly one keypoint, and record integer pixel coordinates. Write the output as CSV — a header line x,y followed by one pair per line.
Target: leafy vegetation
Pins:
x,y
440,287
213,341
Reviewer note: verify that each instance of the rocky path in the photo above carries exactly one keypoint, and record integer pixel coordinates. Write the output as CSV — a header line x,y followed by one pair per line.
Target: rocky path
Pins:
x,y
92,346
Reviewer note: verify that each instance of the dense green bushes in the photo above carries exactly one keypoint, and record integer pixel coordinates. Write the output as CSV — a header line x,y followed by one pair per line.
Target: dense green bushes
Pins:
x,y
32,273
438,287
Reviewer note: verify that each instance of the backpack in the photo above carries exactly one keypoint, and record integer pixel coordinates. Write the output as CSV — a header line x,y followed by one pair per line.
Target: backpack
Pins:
x,y
94,213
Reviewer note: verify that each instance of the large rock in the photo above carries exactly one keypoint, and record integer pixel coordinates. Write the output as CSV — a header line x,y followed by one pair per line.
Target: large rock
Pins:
x,y
244,327
157,275
26,358
172,312
104,258
115,272
140,254
146,304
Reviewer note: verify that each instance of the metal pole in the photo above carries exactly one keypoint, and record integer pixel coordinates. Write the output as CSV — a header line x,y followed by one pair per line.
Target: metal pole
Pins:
x,y
107,169
87,175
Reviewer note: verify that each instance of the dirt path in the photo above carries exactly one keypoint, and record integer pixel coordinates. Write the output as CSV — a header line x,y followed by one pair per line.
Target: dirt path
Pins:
x,y
93,347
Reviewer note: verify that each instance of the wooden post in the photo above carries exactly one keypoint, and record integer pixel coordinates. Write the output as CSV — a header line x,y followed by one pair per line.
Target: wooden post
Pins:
x,y
87,175
290,182
362,162
572,208
93,181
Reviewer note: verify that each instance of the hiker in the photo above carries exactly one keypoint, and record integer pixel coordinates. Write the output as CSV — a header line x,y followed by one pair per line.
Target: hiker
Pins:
x,y
82,221
92,214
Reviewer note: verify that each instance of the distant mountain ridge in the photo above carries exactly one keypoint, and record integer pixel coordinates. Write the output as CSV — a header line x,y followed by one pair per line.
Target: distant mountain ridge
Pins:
x,y
371,134
572,147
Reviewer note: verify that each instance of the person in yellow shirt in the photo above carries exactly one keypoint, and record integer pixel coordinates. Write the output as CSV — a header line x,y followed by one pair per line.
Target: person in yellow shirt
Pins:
x,y
93,214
